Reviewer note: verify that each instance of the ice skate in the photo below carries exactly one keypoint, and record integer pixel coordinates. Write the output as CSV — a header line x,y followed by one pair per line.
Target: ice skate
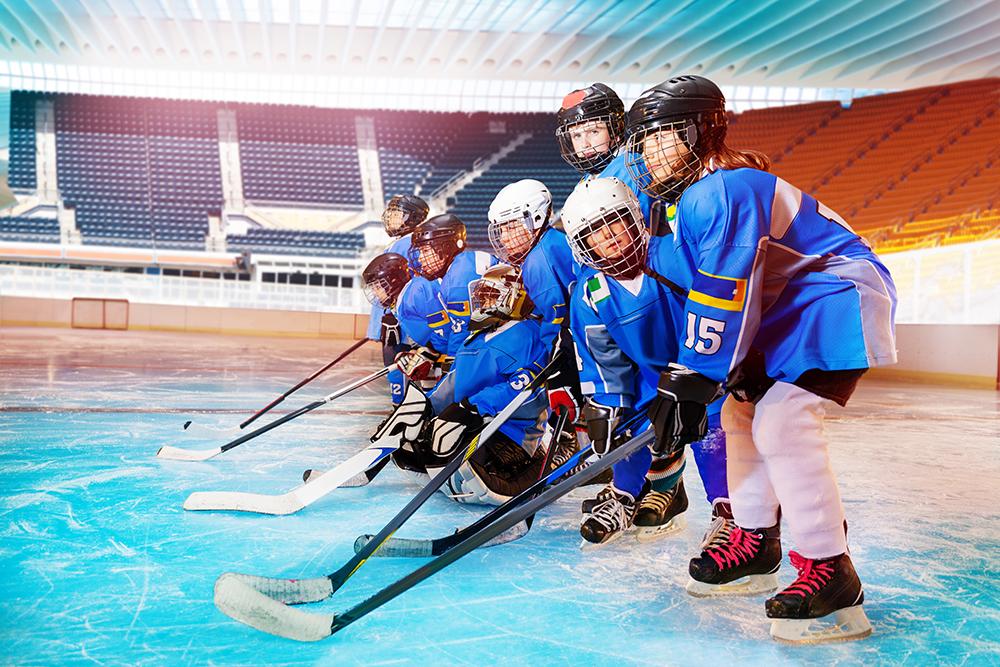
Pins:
x,y
745,564
609,519
824,604
661,513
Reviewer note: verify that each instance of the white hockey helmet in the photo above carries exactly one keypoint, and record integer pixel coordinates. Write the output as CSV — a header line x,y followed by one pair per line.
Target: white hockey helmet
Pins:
x,y
518,214
605,228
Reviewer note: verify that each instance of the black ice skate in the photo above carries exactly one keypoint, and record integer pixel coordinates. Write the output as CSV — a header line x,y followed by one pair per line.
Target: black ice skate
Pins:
x,y
660,514
745,564
609,518
824,603
722,525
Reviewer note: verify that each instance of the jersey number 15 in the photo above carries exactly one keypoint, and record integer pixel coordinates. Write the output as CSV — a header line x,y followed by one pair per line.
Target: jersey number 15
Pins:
x,y
704,335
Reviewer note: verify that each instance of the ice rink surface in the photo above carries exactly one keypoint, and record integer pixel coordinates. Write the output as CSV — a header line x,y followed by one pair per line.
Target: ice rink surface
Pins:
x,y
100,565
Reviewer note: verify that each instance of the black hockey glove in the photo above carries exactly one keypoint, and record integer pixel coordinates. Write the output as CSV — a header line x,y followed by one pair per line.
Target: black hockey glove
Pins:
x,y
679,412
454,426
601,422
390,334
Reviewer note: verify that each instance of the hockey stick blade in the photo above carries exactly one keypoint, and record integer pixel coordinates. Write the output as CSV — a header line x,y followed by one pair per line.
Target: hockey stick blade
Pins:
x,y
266,613
179,454
298,498
361,479
402,547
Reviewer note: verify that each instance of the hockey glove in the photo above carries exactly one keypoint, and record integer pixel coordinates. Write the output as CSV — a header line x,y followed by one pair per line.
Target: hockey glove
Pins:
x,y
453,427
390,334
679,412
601,422
418,363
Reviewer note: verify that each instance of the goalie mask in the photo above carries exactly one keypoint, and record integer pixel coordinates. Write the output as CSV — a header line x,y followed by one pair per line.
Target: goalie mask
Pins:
x,y
591,128
605,228
435,243
673,128
498,297
384,279
402,214
518,216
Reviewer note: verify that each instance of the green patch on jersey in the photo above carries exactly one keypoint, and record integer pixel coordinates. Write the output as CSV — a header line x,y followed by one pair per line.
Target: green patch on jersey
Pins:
x,y
598,289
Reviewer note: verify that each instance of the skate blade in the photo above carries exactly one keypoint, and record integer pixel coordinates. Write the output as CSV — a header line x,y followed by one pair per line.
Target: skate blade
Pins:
x,y
843,625
586,546
652,533
753,584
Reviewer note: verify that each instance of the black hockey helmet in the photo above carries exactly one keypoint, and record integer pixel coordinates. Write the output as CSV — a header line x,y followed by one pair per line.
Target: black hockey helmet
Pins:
x,y
597,103
384,278
672,128
403,213
435,243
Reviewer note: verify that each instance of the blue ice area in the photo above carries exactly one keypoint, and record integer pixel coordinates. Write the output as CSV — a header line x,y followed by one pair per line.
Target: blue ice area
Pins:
x,y
101,565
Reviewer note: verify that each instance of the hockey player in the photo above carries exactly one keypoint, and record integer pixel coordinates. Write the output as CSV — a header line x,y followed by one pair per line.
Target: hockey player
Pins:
x,y
438,252
497,360
787,306
401,215
624,318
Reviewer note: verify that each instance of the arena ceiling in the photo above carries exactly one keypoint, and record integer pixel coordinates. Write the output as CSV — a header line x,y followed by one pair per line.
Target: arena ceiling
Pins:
x,y
823,43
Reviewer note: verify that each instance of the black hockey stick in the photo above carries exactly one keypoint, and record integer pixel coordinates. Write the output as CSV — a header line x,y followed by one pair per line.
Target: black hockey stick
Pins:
x,y
294,591
246,603
180,454
303,383
404,547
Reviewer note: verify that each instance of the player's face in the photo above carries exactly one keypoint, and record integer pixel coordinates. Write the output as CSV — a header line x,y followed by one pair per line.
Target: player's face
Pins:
x,y
380,291
516,239
665,154
610,241
590,139
430,260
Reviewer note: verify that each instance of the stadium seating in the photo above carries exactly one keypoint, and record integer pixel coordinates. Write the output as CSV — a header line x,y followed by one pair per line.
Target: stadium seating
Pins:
x,y
287,241
22,140
33,230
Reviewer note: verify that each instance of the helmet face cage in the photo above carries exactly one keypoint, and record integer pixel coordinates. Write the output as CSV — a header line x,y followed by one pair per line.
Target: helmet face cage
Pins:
x,y
591,159
665,158
432,258
511,239
399,219
382,291
497,298
612,241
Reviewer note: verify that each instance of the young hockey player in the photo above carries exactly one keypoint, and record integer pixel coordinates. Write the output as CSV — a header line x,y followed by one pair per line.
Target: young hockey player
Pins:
x,y
497,360
438,252
624,317
788,307
401,215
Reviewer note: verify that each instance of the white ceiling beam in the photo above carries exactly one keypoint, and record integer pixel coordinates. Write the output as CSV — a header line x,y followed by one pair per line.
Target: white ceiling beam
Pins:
x,y
943,21
503,39
985,44
54,22
928,51
457,51
609,54
29,24
590,45
351,27
686,37
161,37
265,32
101,23
526,44
734,22
569,37
324,10
440,33
293,22
238,32
83,33
380,31
410,32
182,30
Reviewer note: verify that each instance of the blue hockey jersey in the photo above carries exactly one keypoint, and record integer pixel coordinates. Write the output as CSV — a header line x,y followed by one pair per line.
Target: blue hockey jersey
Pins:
x,y
466,267
422,316
770,267
617,169
494,366
548,273
625,332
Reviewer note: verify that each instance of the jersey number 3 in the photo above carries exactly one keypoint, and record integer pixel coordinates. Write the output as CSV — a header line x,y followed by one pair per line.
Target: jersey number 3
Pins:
x,y
704,335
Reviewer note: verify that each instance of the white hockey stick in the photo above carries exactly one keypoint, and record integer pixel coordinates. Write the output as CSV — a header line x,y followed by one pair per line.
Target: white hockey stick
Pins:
x,y
296,499
180,454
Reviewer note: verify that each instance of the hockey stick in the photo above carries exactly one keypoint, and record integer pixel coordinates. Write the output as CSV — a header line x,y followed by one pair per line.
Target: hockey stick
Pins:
x,y
403,547
179,454
361,479
254,601
293,591
301,496
303,383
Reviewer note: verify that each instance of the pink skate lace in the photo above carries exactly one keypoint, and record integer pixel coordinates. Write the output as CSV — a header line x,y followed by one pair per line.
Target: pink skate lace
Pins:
x,y
741,547
813,575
